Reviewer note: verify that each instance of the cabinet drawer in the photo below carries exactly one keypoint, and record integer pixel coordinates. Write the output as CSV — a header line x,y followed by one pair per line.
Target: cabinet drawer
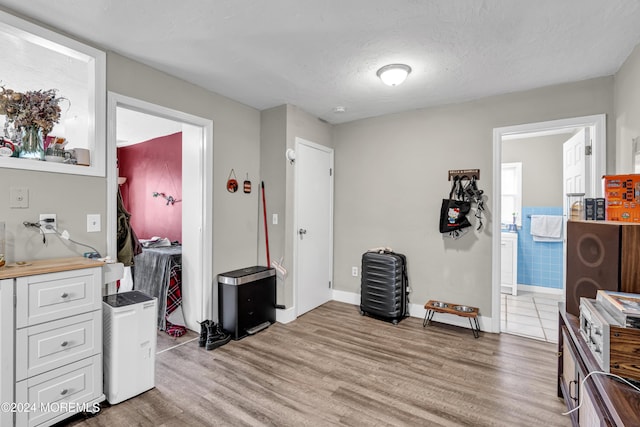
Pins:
x,y
45,297
64,390
47,346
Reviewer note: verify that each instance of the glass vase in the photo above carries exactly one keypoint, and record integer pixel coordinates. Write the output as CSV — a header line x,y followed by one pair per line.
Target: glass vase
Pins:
x,y
32,146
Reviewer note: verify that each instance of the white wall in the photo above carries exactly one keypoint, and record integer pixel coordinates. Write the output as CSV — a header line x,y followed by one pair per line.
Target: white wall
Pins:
x,y
391,176
627,107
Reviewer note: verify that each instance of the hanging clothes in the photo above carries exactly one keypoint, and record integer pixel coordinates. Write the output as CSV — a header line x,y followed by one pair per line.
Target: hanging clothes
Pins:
x,y
128,244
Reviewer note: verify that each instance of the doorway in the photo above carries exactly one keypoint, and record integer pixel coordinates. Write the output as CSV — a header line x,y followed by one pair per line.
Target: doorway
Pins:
x,y
595,166
197,166
313,213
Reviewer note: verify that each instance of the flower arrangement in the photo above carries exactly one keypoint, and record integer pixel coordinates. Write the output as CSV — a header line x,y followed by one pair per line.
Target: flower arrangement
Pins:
x,y
32,108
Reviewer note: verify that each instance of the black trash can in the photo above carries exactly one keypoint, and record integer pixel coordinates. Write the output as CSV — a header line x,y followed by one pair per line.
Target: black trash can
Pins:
x,y
247,300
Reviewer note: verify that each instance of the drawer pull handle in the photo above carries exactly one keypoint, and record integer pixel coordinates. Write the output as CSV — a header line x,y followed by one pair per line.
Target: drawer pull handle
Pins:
x,y
64,295
64,344
63,392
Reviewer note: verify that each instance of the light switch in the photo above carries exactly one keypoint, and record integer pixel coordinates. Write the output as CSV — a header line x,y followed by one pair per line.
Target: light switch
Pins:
x,y
19,197
93,223
274,219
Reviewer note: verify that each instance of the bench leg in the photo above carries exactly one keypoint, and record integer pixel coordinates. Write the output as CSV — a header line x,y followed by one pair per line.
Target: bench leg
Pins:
x,y
427,317
476,329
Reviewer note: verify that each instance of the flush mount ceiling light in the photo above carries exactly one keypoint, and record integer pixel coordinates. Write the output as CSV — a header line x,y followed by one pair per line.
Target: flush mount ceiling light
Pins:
x,y
393,74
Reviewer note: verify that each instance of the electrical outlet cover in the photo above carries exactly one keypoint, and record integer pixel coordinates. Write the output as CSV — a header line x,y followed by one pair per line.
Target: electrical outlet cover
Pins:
x,y
93,223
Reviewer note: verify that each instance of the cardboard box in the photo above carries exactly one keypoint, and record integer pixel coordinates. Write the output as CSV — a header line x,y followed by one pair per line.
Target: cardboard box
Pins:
x,y
622,197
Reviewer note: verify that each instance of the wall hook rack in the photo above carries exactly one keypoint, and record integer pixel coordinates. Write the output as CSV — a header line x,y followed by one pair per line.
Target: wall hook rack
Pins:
x,y
464,174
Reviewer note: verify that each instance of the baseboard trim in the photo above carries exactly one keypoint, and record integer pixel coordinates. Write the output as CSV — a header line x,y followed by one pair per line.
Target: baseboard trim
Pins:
x,y
417,310
540,289
286,315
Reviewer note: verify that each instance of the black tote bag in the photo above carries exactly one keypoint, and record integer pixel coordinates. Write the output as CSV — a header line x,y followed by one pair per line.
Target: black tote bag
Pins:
x,y
453,212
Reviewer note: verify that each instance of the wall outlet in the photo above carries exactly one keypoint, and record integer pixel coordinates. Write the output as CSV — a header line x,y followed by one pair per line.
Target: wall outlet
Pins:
x,y
354,271
48,223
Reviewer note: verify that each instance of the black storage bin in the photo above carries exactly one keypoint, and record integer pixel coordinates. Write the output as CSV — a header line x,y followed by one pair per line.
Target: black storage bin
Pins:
x,y
247,300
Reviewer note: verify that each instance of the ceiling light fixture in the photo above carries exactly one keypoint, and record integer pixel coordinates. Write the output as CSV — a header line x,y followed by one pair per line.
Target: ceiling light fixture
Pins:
x,y
393,74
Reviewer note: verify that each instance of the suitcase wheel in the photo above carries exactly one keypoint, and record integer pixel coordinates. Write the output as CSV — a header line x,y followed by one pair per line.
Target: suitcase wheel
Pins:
x,y
361,313
394,321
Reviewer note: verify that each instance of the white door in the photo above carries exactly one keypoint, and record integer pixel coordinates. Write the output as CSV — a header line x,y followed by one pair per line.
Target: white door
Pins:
x,y
314,225
575,177
576,171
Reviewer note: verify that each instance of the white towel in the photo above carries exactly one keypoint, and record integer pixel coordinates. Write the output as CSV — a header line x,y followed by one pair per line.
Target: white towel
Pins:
x,y
546,228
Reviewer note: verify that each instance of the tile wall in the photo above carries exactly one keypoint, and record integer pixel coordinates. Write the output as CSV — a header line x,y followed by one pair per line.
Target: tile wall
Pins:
x,y
539,263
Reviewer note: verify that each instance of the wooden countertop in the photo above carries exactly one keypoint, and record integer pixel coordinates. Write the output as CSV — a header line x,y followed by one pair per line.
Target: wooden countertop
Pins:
x,y
30,268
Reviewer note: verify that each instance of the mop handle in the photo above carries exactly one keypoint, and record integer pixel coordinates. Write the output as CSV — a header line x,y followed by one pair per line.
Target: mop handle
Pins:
x,y
266,230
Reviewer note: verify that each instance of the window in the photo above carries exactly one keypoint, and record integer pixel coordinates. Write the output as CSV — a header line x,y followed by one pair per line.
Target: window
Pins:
x,y
511,193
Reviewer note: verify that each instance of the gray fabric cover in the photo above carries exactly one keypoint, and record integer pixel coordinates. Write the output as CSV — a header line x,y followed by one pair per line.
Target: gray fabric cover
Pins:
x,y
152,273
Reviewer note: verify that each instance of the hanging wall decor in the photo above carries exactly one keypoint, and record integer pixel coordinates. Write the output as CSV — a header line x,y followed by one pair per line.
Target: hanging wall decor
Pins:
x,y
455,211
247,185
232,182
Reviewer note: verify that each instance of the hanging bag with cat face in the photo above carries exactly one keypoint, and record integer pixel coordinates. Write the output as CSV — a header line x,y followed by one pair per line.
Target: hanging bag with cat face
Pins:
x,y
454,210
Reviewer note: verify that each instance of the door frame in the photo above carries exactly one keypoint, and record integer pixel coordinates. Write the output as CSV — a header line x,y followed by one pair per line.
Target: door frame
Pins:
x,y
203,216
598,168
296,291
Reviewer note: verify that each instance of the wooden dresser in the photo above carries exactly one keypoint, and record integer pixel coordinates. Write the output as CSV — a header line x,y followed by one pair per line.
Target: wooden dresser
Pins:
x,y
605,401
51,334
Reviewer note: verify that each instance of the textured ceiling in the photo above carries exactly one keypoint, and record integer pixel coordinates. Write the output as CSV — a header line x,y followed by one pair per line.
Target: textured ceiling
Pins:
x,y
321,54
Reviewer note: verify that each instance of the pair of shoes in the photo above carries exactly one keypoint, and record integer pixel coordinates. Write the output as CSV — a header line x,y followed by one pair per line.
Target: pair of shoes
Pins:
x,y
204,326
216,337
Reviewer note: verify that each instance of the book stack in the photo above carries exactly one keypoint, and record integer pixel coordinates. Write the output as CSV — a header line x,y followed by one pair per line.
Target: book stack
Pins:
x,y
623,307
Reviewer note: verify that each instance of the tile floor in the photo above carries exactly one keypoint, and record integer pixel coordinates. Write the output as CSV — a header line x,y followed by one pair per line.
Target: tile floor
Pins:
x,y
530,314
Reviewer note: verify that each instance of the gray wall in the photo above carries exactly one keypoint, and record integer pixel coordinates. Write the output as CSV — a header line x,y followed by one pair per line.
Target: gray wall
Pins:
x,y
627,107
541,159
273,170
280,127
236,143
391,175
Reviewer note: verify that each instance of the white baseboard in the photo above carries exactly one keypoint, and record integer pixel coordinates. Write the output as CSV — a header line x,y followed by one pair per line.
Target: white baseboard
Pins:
x,y
286,315
540,289
348,297
418,310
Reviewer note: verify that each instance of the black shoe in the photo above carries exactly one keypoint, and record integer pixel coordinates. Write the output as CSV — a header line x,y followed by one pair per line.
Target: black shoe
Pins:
x,y
216,337
204,326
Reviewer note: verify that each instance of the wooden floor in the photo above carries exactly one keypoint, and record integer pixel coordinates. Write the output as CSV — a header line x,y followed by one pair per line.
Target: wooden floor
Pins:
x,y
334,367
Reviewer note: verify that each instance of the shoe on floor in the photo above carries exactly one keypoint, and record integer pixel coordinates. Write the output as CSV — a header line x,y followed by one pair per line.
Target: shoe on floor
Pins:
x,y
204,326
216,337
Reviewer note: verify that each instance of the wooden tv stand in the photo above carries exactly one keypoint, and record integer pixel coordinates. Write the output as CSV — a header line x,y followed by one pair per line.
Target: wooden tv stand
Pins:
x,y
605,400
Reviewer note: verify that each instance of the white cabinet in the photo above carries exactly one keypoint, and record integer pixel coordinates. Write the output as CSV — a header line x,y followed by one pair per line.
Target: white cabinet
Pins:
x,y
6,349
509,262
51,332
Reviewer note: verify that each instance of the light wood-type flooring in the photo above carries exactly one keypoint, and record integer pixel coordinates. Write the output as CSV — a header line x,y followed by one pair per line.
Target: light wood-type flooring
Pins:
x,y
334,367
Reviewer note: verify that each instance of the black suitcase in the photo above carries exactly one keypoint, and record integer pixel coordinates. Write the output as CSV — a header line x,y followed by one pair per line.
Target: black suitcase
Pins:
x,y
384,284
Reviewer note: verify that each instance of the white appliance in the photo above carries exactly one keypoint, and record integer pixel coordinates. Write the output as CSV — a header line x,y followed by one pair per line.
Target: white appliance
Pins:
x,y
129,350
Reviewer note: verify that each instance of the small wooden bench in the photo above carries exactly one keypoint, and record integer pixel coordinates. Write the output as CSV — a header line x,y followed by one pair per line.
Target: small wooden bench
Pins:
x,y
471,313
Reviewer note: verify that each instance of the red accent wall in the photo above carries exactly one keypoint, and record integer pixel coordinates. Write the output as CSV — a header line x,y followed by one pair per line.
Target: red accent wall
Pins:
x,y
153,166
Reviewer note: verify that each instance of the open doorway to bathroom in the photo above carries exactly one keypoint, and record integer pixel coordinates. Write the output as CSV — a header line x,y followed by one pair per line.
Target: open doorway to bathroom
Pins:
x,y
530,171
182,187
